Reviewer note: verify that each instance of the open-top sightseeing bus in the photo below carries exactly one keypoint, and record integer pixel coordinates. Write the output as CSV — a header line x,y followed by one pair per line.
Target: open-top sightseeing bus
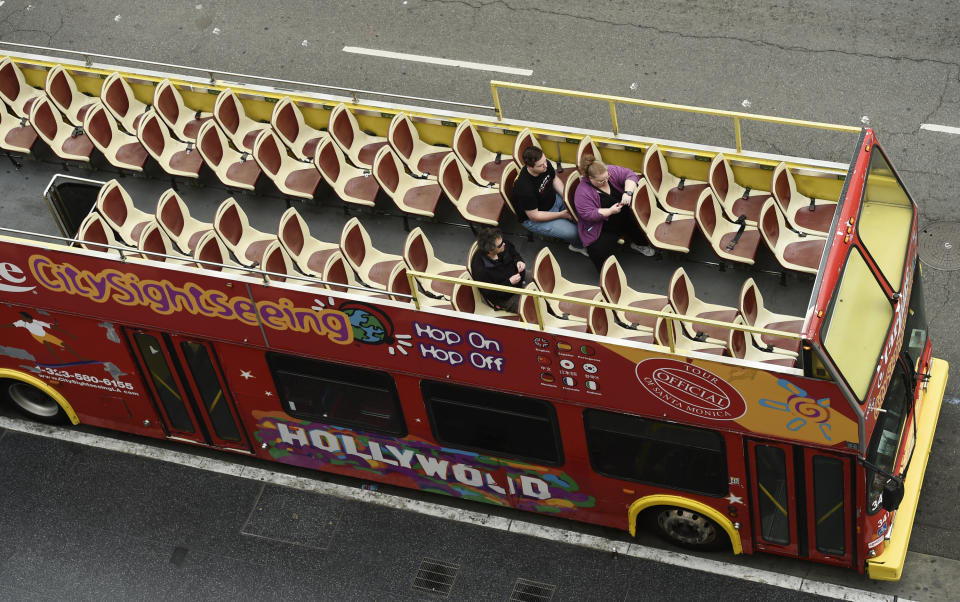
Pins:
x,y
319,341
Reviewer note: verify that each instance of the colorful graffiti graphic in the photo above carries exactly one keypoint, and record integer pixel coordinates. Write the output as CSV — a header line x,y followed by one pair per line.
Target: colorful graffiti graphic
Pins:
x,y
421,465
803,411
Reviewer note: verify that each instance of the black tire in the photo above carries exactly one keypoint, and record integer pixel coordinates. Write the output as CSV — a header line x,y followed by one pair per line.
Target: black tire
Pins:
x,y
687,529
33,403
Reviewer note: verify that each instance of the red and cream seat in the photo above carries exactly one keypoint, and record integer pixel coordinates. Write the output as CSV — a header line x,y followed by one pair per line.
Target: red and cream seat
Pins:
x,y
116,207
667,231
183,122
475,203
735,199
16,134
730,240
359,146
157,246
233,121
371,266
95,234
484,165
66,141
174,217
527,138
467,299
410,195
684,301
740,346
803,213
246,242
528,310
291,177
233,168
119,148
308,253
419,256
14,89
754,313
288,123
211,254
421,158
681,342
63,93
616,290
174,157
546,273
793,250
601,321
353,185
676,194
117,95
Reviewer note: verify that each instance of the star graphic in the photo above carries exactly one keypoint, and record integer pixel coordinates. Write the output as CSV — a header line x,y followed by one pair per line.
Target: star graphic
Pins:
x,y
734,499
268,393
246,374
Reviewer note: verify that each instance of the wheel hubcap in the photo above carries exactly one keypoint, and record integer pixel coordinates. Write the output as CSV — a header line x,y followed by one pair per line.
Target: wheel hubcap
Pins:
x,y
687,527
33,401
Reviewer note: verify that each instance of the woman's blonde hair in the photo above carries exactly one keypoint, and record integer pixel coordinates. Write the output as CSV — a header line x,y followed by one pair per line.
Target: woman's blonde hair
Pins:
x,y
591,167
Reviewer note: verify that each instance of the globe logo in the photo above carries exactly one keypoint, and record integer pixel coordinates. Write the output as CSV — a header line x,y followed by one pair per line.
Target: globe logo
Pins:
x,y
370,325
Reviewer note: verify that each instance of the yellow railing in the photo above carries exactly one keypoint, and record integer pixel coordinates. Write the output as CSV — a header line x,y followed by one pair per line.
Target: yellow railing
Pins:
x,y
613,101
412,277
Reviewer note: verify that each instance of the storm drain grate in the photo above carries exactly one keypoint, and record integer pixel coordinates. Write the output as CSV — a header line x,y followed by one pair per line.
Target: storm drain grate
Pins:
x,y
531,591
939,245
435,576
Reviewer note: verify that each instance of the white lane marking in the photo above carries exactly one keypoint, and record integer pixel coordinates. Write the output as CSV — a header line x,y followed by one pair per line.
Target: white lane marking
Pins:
x,y
946,129
437,61
440,511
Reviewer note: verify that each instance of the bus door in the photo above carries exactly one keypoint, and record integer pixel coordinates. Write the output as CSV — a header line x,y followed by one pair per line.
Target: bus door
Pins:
x,y
801,502
186,381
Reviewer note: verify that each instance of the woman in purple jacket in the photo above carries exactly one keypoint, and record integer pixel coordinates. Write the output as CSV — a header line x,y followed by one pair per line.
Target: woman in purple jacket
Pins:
x,y
600,198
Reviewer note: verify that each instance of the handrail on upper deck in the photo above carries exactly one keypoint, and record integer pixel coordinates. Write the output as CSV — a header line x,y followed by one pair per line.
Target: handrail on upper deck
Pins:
x,y
670,317
613,101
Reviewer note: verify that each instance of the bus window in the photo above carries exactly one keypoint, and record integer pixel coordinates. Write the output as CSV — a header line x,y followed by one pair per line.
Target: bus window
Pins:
x,y
887,436
337,394
211,392
886,219
829,514
163,382
772,497
672,455
494,423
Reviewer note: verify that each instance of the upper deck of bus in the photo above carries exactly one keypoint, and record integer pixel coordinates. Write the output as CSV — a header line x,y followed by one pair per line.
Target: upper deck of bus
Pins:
x,y
716,280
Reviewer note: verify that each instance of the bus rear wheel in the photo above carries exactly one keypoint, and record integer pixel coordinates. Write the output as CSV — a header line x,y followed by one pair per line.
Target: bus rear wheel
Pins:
x,y
33,402
687,528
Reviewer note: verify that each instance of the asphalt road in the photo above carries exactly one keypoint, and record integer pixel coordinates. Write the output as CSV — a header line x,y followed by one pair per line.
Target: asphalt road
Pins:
x,y
896,65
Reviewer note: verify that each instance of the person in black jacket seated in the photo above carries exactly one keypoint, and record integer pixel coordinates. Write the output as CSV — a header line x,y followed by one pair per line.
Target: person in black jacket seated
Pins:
x,y
498,262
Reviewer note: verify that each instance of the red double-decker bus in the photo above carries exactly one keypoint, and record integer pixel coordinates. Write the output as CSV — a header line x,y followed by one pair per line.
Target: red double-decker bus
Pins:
x,y
808,440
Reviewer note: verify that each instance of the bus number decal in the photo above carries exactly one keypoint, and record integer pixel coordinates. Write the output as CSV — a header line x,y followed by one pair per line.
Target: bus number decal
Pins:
x,y
424,466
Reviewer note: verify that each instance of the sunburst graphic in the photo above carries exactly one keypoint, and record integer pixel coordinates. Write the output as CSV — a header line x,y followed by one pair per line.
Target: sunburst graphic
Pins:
x,y
320,305
399,343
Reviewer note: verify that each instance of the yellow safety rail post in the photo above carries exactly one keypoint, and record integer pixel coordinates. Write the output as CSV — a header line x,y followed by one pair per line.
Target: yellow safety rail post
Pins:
x,y
613,101
603,304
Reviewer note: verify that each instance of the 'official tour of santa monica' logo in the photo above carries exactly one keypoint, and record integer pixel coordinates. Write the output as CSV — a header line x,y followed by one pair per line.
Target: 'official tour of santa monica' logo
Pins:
x,y
691,389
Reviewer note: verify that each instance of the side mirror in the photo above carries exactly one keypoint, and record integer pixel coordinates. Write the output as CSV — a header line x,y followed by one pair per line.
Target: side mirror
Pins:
x,y
892,494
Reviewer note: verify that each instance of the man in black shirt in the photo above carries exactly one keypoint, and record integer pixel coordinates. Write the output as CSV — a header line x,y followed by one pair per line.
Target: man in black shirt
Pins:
x,y
538,195
498,262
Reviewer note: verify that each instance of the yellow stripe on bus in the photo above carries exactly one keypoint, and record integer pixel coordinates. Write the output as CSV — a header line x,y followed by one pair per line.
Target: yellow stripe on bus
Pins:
x,y
829,512
772,499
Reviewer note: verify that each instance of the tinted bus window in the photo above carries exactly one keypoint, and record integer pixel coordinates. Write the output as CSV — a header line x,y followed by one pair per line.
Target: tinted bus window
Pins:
x,y
650,451
829,514
211,393
337,394
163,382
772,496
494,423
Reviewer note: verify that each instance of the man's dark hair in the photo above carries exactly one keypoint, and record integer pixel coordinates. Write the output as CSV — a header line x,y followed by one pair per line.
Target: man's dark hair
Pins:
x,y
531,155
487,239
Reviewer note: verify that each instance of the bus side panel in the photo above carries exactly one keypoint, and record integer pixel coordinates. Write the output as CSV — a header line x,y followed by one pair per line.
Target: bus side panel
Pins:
x,y
86,360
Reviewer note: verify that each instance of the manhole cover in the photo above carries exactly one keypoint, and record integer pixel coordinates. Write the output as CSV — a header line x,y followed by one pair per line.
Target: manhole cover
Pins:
x,y
940,245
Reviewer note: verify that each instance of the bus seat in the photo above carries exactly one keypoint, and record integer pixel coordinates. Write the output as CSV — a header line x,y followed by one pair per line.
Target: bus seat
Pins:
x,y
684,301
484,165
154,240
117,95
735,199
546,273
398,283
288,123
14,89
308,253
754,313
232,226
232,119
63,93
526,138
739,347
793,250
419,256
467,299
93,229
174,157
682,342
183,122
587,147
528,313
336,270
569,194
616,290
119,148
676,195
507,177
729,240
601,321
356,144
371,266
233,168
421,158
116,207
803,213
16,135
276,260
210,249
475,203
291,177
666,231
174,217
66,141
410,195
352,184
